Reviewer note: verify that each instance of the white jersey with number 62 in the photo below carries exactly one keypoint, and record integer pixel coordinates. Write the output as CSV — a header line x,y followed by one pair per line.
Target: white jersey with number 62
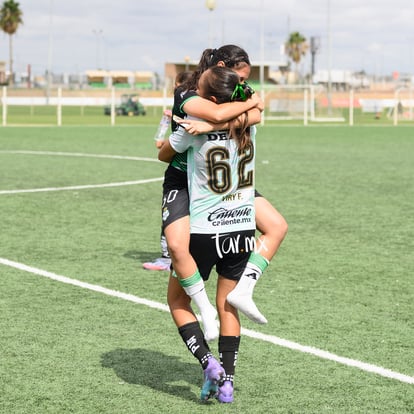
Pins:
x,y
220,181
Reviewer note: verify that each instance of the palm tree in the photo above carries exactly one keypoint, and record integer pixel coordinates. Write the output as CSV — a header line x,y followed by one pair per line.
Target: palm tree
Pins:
x,y
10,19
296,46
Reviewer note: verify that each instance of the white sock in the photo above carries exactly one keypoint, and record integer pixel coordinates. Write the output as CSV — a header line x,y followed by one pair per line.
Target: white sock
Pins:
x,y
198,294
241,297
248,279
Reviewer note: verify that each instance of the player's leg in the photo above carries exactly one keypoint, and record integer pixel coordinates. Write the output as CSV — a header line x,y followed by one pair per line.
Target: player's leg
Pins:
x,y
163,262
177,235
179,303
230,268
178,239
193,337
176,222
273,228
229,339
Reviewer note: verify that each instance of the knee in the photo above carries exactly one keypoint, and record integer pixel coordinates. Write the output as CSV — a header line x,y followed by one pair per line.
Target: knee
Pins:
x,y
177,249
276,228
282,227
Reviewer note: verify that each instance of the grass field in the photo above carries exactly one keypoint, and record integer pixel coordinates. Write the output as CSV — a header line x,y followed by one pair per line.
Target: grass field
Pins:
x,y
84,329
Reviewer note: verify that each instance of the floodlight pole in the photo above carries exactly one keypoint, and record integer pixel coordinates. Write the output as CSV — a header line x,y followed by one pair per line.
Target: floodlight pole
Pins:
x,y
329,60
187,62
49,55
98,34
211,5
261,67
314,48
262,46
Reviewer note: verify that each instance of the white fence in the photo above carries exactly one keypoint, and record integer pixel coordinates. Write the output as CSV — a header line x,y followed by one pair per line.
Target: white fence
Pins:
x,y
306,103
59,101
311,103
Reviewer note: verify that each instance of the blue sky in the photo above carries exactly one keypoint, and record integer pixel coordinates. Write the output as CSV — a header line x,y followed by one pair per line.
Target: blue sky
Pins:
x,y
77,35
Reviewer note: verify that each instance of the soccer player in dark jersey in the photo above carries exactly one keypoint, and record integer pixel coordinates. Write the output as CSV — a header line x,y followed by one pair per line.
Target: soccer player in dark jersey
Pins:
x,y
222,198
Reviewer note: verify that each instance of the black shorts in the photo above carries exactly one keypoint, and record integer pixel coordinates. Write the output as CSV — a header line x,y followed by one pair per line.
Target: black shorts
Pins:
x,y
174,179
175,205
175,201
229,252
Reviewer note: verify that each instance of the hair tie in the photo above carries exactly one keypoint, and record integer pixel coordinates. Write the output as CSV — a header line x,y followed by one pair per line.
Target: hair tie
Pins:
x,y
242,91
238,93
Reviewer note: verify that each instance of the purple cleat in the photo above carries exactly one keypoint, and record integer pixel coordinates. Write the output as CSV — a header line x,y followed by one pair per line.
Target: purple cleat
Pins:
x,y
225,392
213,374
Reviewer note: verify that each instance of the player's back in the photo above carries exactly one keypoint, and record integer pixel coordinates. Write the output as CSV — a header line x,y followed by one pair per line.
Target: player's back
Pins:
x,y
221,184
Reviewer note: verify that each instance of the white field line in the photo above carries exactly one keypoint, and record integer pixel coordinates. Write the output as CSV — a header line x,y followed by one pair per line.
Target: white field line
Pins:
x,y
80,187
80,154
253,334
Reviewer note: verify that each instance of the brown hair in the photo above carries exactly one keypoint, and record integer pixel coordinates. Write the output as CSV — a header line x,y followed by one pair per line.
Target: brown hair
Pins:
x,y
224,85
182,77
232,56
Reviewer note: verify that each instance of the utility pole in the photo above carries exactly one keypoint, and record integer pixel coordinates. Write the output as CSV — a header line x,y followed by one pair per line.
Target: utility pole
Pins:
x,y
314,49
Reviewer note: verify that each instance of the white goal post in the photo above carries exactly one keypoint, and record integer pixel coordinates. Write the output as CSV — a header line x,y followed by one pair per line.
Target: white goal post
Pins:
x,y
298,102
403,109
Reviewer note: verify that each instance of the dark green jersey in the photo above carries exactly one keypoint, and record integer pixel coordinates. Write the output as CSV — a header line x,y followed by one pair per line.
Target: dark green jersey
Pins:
x,y
180,98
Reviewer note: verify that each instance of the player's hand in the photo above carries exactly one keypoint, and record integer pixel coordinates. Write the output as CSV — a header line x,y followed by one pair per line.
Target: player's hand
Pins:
x,y
196,127
258,101
159,143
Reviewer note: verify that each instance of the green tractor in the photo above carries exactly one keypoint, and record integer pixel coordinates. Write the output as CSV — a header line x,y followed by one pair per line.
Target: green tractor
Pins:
x,y
130,106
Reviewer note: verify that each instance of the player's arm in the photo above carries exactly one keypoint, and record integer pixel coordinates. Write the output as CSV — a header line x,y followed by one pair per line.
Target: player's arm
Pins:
x,y
210,111
178,141
196,127
166,152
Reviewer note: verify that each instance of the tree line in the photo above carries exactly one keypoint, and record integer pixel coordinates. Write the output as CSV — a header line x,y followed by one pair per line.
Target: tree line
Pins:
x,y
11,17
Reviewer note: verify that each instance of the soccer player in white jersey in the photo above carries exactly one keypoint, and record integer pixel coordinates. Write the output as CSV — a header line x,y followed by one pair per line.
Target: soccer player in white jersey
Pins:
x,y
222,222
175,212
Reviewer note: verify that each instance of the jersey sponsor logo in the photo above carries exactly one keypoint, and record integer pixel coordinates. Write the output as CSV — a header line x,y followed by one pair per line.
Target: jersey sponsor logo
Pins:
x,y
236,216
222,213
222,217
